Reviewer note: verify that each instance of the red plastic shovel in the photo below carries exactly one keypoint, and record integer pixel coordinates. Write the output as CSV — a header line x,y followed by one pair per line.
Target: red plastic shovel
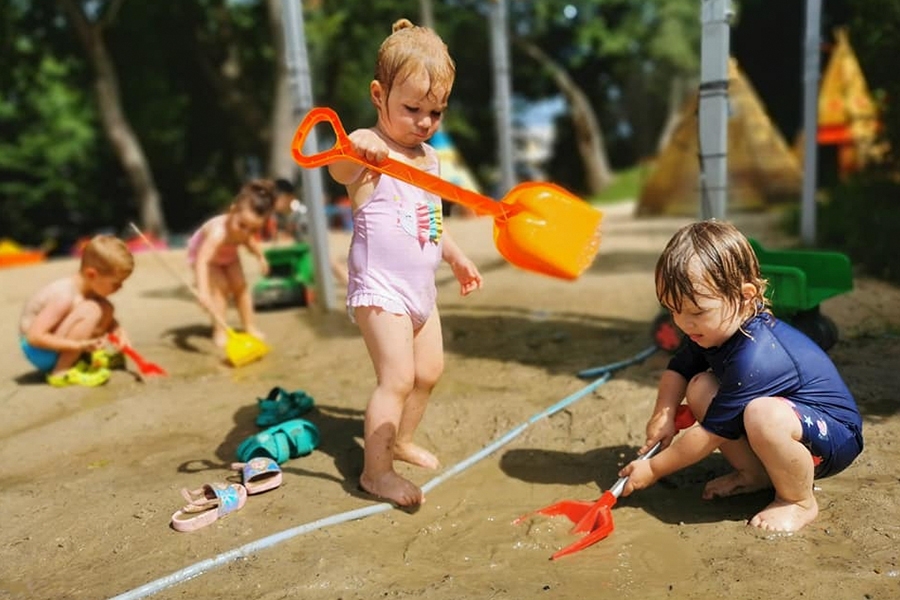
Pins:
x,y
595,518
538,226
144,366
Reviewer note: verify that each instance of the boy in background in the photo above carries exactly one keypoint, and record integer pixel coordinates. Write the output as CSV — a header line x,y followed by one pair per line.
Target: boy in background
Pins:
x,y
73,315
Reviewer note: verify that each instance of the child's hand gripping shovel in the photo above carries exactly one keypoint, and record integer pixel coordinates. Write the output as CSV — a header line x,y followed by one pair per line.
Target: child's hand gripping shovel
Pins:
x,y
240,348
145,367
537,226
595,518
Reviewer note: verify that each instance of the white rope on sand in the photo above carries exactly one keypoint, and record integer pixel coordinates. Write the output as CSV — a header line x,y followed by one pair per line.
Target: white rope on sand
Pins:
x,y
246,550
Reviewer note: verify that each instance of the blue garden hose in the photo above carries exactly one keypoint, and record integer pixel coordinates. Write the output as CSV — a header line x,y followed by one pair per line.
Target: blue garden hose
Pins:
x,y
246,550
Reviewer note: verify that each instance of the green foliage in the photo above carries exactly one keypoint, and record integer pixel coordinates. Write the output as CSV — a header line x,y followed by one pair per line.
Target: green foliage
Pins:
x,y
624,55
48,144
625,186
862,218
875,35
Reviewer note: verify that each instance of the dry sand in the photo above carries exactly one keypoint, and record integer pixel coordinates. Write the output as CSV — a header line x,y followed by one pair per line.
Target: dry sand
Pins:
x,y
89,478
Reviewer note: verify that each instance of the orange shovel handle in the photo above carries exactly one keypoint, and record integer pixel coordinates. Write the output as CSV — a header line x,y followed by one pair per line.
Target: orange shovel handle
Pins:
x,y
343,150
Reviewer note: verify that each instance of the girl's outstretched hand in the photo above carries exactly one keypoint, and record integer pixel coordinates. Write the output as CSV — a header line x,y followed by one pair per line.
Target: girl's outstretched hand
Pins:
x,y
468,276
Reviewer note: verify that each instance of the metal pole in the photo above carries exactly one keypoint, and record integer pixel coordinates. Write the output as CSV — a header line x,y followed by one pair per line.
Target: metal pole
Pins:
x,y
810,121
426,13
713,107
313,190
502,94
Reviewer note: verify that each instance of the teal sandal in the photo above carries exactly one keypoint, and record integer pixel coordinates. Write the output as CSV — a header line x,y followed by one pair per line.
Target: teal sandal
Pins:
x,y
280,406
297,437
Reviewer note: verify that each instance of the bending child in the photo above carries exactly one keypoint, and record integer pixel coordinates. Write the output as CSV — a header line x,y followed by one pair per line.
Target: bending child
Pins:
x,y
213,256
72,316
764,394
397,245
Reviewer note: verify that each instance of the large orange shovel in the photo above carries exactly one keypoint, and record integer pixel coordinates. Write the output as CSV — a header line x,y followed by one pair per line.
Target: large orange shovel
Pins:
x,y
537,226
595,518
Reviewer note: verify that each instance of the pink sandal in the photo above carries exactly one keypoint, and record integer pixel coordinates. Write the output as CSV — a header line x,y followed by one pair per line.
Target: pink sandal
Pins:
x,y
208,504
259,474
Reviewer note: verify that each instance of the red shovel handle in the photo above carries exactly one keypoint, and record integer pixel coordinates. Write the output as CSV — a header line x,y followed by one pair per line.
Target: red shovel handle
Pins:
x,y
343,150
144,366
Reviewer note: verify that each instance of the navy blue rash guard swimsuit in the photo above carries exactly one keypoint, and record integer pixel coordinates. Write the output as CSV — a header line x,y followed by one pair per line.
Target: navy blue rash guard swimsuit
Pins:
x,y
769,358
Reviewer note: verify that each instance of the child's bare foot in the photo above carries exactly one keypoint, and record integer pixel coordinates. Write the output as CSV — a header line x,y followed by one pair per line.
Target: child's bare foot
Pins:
x,y
220,338
256,333
393,488
783,516
416,455
734,483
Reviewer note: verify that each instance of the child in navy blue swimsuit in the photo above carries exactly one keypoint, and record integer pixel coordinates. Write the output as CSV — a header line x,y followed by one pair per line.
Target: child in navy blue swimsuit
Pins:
x,y
764,394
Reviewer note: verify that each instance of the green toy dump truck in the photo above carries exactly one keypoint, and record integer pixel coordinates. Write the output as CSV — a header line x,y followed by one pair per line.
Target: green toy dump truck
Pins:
x,y
291,278
799,280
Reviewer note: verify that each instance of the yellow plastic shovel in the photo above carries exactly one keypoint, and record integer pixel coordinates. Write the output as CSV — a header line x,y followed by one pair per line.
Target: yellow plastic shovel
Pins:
x,y
240,348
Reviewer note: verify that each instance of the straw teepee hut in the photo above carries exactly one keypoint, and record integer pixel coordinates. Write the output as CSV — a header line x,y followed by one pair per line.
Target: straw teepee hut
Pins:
x,y
848,116
762,170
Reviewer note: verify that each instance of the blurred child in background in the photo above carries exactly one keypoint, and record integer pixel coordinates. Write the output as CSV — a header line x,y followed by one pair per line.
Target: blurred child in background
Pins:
x,y
213,256
73,315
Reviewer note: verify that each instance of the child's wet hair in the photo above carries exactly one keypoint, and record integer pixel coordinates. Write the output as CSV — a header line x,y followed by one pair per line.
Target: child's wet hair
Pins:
x,y
411,48
108,255
720,255
258,195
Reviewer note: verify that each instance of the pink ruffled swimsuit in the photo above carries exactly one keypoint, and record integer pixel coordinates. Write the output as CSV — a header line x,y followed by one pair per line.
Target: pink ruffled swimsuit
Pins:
x,y
225,254
396,249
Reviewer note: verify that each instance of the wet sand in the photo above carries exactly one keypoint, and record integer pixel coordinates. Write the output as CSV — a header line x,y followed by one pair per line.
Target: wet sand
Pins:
x,y
90,477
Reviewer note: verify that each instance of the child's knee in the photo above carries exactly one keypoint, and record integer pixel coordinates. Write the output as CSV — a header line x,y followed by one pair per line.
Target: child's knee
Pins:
x,y
702,388
768,416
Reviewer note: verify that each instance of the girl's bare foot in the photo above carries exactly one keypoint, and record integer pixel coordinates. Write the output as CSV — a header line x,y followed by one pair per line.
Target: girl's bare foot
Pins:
x,y
734,483
416,455
256,333
783,516
393,488
219,338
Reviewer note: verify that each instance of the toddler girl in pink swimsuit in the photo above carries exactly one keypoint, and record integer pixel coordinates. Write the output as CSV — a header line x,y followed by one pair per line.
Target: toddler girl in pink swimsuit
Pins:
x,y
398,242
213,255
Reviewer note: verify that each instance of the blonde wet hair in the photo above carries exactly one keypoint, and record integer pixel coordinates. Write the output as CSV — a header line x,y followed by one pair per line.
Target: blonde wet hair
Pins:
x,y
411,49
720,256
108,255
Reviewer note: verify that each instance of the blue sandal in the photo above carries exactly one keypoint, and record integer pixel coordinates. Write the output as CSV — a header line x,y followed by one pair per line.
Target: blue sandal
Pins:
x,y
297,437
280,405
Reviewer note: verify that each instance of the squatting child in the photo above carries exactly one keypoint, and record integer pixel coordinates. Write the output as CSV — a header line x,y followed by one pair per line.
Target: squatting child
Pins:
x,y
72,316
764,394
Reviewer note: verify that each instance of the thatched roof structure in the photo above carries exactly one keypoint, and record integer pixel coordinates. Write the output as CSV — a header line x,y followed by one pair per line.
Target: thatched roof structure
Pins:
x,y
761,168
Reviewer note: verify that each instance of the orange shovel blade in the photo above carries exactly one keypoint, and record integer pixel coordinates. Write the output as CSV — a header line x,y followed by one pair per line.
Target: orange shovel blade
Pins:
x,y
573,509
550,231
602,528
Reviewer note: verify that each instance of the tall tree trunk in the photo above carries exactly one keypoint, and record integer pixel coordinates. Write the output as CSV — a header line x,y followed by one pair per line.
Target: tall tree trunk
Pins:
x,y
588,135
118,130
281,121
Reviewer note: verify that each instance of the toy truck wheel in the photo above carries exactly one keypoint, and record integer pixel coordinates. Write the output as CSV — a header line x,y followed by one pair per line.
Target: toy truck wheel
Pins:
x,y
819,328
